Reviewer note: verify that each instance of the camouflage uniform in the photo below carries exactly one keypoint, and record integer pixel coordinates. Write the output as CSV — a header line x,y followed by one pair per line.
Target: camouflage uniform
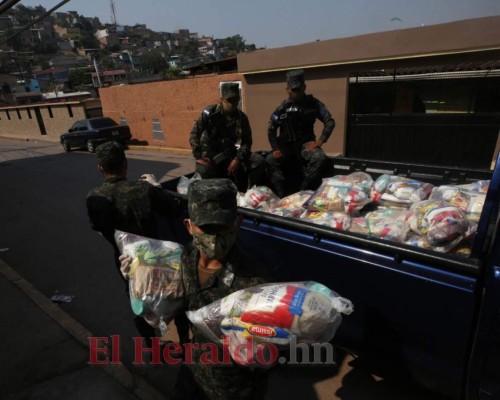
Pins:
x,y
212,202
221,138
128,206
295,122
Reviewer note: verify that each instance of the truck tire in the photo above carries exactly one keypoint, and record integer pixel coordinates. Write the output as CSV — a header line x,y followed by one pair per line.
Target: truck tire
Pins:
x,y
66,146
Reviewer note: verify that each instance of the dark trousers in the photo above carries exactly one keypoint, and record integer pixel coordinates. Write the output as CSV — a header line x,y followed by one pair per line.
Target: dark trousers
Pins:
x,y
297,169
252,171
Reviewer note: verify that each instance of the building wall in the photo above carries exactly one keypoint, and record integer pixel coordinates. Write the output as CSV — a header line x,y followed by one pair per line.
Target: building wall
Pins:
x,y
175,104
265,93
23,123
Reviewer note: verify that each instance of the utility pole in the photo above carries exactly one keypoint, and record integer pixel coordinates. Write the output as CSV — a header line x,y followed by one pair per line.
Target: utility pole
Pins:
x,y
97,72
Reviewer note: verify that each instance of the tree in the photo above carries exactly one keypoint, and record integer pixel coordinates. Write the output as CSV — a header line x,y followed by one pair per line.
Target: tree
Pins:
x,y
171,73
79,77
153,62
234,44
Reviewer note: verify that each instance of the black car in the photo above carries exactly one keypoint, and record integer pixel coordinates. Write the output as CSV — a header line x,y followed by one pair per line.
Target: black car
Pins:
x,y
92,132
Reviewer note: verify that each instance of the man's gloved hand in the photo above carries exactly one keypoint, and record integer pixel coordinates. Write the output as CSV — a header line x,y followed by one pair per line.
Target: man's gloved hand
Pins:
x,y
125,264
151,179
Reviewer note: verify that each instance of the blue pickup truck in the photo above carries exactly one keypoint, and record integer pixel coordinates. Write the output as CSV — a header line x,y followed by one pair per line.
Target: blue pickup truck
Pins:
x,y
428,317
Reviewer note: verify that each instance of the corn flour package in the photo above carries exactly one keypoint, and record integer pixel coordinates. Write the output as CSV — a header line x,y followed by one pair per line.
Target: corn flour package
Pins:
x,y
274,313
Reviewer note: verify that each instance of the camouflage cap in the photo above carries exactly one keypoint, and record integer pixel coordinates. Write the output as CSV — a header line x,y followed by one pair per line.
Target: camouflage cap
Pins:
x,y
110,153
212,201
295,79
229,90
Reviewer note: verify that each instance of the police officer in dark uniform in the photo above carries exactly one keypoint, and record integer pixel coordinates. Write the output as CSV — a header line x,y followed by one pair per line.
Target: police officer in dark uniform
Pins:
x,y
129,206
296,143
221,140
213,268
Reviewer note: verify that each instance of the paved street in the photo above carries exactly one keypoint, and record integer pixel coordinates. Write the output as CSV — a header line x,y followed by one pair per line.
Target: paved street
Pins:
x,y
46,238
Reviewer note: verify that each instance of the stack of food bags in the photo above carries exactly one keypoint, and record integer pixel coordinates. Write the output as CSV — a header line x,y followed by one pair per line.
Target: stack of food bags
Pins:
x,y
155,285
273,313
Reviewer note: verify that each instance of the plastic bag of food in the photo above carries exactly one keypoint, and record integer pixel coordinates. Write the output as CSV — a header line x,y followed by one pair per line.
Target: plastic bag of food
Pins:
x,y
335,195
258,198
291,206
418,211
443,226
470,202
184,181
419,241
155,285
393,190
382,228
477,186
333,219
273,313
359,180
295,200
388,213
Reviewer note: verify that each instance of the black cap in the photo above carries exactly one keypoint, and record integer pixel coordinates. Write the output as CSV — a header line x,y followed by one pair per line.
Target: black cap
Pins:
x,y
229,90
295,79
212,201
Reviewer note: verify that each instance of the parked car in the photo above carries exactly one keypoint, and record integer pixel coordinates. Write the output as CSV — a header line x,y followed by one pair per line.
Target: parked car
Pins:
x,y
92,132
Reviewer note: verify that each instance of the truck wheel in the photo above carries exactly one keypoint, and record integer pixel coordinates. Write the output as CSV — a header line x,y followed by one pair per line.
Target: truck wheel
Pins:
x,y
90,146
66,146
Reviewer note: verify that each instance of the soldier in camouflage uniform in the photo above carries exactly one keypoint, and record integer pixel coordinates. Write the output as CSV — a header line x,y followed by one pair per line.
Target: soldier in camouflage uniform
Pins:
x,y
221,140
213,268
129,206
296,143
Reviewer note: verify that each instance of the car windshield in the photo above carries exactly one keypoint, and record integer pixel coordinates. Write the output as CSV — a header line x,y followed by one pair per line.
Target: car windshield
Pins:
x,y
102,123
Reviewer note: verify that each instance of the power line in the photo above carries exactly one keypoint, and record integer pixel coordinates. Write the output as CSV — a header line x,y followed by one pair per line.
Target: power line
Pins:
x,y
7,5
35,21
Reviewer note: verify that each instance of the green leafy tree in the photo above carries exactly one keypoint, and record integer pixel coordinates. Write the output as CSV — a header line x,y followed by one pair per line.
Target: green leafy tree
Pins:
x,y
171,73
234,44
153,62
78,78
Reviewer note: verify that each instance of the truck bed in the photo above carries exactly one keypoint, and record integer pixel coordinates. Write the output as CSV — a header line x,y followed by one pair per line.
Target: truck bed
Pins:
x,y
415,309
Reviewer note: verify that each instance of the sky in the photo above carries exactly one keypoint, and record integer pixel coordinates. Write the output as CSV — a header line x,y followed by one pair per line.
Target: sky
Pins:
x,y
279,23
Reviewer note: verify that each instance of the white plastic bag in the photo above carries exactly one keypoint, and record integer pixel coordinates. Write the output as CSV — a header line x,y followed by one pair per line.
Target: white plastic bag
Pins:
x,y
273,313
155,285
184,181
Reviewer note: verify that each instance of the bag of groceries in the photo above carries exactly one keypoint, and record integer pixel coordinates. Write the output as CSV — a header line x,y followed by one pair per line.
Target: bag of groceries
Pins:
x,y
469,201
272,313
443,226
155,285
399,191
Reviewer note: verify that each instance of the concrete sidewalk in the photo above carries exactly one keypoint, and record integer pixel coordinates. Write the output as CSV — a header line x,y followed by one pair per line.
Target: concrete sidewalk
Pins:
x,y
45,352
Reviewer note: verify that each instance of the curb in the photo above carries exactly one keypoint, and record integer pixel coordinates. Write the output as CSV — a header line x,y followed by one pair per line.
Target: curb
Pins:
x,y
160,149
138,386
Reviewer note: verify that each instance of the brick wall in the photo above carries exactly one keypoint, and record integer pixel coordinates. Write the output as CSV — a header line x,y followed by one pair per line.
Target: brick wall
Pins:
x,y
21,122
173,104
